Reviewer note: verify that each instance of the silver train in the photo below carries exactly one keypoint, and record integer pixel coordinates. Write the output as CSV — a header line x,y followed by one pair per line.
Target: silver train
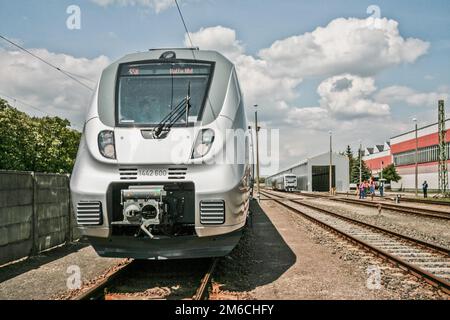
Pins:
x,y
150,180
284,182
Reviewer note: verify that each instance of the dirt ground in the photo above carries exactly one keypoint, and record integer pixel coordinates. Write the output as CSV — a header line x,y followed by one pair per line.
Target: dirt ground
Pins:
x,y
284,256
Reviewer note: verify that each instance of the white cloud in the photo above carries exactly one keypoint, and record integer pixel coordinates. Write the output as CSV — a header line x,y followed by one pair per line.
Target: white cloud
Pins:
x,y
273,93
260,87
344,45
157,5
315,118
403,94
346,54
217,38
35,83
350,96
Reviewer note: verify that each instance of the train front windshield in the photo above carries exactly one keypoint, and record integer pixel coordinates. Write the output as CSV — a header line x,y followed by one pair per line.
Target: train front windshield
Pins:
x,y
148,92
291,179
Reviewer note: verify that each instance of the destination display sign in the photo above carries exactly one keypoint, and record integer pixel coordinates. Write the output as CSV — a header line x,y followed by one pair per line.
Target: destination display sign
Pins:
x,y
161,69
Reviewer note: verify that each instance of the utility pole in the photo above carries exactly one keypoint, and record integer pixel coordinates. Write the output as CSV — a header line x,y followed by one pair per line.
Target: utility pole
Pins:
x,y
360,162
253,154
443,156
416,160
331,162
257,151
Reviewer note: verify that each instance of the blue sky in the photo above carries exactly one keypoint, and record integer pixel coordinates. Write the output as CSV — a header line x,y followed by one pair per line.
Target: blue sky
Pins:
x,y
115,30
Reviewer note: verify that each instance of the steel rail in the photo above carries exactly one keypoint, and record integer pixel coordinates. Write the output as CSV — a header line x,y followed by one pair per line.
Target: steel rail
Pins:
x,y
436,202
408,199
202,290
97,292
429,213
402,209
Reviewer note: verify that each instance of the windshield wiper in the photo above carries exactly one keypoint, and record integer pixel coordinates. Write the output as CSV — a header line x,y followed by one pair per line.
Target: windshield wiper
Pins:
x,y
170,119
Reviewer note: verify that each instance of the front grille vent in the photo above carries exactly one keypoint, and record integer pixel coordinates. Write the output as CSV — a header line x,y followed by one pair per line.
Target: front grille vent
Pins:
x,y
212,212
89,213
177,173
128,173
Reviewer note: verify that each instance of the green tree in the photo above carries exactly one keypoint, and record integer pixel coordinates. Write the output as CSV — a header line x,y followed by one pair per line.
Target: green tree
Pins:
x,y
365,171
390,173
351,159
16,138
36,144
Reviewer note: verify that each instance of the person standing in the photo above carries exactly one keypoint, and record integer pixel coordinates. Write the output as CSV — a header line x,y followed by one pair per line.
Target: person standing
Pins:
x,y
372,188
425,189
381,188
363,190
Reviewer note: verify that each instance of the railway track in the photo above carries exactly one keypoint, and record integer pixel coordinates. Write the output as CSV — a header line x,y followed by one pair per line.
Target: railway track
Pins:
x,y
408,199
435,202
425,260
100,290
430,213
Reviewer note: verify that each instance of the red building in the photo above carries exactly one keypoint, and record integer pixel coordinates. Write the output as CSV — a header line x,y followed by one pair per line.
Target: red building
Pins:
x,y
401,150
378,157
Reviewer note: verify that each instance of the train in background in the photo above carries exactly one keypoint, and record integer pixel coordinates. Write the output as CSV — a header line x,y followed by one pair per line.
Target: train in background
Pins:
x,y
284,182
148,181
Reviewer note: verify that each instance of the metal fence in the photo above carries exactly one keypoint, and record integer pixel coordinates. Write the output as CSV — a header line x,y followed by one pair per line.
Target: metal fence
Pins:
x,y
35,214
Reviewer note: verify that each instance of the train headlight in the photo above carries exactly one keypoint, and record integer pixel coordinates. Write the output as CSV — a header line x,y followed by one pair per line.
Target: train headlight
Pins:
x,y
203,143
106,144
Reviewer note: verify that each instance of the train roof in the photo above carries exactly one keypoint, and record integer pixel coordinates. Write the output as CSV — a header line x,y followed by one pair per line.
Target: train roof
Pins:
x,y
180,53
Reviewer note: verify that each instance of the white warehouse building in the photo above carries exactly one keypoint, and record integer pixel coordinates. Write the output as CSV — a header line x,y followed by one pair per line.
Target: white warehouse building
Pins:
x,y
313,173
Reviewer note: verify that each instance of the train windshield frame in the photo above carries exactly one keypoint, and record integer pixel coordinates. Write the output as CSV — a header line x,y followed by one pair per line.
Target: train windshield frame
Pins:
x,y
290,179
147,91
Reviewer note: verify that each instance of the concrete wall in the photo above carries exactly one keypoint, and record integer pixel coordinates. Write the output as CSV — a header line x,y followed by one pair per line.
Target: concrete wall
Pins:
x,y
426,171
35,214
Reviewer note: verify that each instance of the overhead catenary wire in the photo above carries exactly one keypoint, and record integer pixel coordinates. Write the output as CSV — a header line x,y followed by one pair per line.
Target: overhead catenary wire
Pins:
x,y
81,77
186,29
24,103
66,73
191,43
35,108
184,24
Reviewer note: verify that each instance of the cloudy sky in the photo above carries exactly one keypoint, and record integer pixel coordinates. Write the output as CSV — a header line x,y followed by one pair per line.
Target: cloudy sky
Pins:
x,y
362,69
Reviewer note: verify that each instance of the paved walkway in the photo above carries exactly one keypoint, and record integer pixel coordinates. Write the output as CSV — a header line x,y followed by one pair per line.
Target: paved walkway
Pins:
x,y
44,276
310,269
